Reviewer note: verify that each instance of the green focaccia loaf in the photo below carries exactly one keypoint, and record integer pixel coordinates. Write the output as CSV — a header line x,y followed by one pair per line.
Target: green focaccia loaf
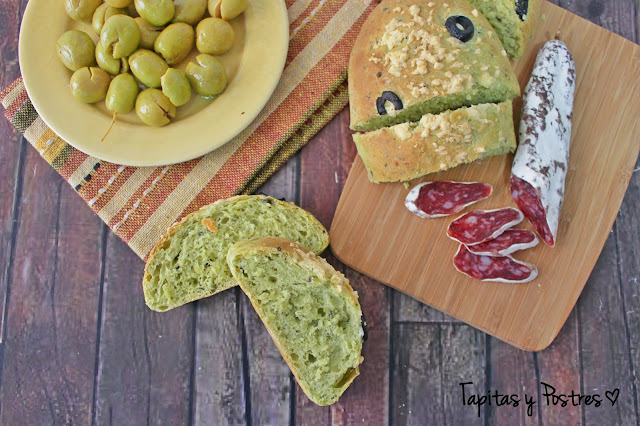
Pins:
x,y
437,142
308,308
405,48
513,21
189,262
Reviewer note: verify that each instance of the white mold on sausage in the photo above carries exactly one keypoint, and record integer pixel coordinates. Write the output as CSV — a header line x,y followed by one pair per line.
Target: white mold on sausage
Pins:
x,y
542,156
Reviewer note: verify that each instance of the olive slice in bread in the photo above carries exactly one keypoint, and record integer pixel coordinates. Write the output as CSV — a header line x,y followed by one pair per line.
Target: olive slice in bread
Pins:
x,y
189,262
308,308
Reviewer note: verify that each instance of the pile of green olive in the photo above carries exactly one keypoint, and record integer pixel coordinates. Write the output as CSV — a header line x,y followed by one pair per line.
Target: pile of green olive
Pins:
x,y
140,43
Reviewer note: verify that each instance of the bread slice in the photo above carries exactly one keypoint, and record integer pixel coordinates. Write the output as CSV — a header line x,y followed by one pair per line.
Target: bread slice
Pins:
x,y
310,310
513,21
437,142
406,53
189,262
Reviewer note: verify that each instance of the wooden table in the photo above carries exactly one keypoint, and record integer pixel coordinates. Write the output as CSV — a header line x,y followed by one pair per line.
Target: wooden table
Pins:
x,y
78,345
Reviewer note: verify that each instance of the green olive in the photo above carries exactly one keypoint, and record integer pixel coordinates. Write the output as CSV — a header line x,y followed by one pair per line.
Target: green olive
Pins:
x,y
226,9
148,33
147,67
176,87
89,85
175,42
214,36
157,12
189,11
75,49
208,78
103,13
154,108
81,10
118,3
122,93
120,36
110,64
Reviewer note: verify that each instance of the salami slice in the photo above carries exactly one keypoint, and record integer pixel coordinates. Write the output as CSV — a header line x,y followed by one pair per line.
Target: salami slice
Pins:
x,y
504,269
481,225
438,199
506,243
541,161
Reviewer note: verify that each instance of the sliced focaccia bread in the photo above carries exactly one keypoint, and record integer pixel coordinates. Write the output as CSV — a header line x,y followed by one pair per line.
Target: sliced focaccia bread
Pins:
x,y
417,57
437,142
189,262
513,21
310,310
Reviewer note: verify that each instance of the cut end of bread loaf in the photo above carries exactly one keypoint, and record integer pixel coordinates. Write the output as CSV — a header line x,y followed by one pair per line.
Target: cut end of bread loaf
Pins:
x,y
310,310
437,142
189,262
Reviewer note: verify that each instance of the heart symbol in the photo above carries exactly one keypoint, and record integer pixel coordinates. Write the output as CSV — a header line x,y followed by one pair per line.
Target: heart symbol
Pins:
x,y
612,396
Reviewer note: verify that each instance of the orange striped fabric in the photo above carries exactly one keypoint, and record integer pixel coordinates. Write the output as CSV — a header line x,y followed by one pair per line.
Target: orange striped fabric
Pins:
x,y
140,203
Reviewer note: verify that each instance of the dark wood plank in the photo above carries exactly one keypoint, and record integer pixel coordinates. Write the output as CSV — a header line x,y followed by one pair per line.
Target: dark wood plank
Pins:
x,y
325,164
52,311
559,366
618,16
511,371
284,182
11,147
367,399
219,375
145,358
429,363
270,380
628,248
606,363
408,309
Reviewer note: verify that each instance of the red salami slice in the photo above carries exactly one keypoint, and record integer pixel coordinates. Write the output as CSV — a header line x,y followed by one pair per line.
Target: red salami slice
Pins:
x,y
506,243
504,269
541,161
482,225
529,202
438,199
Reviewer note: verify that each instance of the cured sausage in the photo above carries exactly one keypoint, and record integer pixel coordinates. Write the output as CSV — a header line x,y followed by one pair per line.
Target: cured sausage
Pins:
x,y
438,199
503,269
506,243
541,161
481,225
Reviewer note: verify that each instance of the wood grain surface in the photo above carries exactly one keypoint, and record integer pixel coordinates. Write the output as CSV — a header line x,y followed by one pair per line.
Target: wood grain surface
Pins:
x,y
414,255
78,346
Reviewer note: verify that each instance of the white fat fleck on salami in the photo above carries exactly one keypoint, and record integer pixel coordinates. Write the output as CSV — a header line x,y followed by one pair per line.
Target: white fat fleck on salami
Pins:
x,y
542,157
508,242
503,269
438,199
478,226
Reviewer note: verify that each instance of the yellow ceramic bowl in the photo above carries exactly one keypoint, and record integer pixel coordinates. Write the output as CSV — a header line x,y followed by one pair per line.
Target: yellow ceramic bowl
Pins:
x,y
254,66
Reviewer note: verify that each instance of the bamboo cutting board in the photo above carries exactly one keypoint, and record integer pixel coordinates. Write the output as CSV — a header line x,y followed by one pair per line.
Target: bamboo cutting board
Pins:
x,y
373,232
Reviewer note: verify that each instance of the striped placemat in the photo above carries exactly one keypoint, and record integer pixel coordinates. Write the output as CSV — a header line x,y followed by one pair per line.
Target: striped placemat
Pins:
x,y
140,203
